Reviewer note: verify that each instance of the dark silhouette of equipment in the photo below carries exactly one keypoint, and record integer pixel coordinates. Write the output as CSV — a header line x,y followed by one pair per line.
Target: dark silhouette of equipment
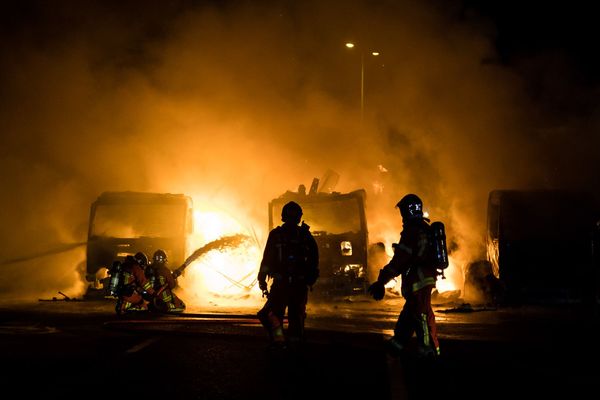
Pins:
x,y
438,246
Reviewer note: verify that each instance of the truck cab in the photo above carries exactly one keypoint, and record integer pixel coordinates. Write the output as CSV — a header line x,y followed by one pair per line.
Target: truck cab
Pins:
x,y
540,244
338,223
124,223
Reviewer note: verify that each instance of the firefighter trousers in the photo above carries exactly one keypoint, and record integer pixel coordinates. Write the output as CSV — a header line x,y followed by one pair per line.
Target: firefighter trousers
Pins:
x,y
417,317
282,296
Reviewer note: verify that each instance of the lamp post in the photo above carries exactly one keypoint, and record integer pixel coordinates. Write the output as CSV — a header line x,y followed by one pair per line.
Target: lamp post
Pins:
x,y
351,45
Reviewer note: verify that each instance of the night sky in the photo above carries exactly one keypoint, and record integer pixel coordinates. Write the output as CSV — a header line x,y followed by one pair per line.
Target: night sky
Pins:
x,y
235,102
565,34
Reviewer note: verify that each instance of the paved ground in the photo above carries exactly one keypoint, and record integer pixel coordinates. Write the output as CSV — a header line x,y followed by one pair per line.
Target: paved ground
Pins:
x,y
67,350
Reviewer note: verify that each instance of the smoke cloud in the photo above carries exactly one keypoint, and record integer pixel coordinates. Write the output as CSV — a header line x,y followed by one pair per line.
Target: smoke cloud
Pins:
x,y
233,103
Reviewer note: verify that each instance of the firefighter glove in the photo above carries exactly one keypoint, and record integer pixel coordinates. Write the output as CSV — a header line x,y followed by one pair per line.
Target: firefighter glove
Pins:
x,y
377,290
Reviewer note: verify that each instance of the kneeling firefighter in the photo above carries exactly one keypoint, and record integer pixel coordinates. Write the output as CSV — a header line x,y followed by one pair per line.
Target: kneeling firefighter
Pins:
x,y
164,283
130,285
291,260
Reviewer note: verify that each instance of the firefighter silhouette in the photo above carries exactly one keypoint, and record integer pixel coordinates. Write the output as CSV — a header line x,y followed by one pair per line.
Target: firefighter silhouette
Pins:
x,y
412,260
291,261
164,283
130,285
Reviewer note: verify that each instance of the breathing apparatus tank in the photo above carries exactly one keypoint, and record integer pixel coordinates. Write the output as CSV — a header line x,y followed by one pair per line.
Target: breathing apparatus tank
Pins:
x,y
116,278
151,275
440,251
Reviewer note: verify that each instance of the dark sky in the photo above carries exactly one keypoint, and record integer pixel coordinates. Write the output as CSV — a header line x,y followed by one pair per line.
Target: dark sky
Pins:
x,y
234,102
526,28
562,32
554,47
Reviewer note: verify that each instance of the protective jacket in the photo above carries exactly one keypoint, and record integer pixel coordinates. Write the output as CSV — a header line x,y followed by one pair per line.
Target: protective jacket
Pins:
x,y
135,287
411,258
291,259
291,254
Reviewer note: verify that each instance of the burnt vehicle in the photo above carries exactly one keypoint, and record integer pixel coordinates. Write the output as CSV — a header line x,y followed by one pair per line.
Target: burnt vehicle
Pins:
x,y
540,244
338,224
124,223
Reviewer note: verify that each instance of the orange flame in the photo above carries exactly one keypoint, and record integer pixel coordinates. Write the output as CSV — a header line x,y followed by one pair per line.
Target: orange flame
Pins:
x,y
223,277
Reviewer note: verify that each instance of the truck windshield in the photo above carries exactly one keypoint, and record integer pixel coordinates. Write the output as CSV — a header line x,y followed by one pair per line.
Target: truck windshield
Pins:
x,y
138,220
333,217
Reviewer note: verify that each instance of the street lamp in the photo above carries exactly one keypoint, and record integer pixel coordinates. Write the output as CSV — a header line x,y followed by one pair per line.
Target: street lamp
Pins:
x,y
350,45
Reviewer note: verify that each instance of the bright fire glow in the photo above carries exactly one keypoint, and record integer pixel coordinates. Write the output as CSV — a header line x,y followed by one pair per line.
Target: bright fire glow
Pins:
x,y
392,284
447,284
224,277
444,285
211,225
221,277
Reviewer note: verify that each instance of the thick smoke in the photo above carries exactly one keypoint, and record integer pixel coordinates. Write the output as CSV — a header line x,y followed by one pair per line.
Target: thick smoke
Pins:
x,y
234,103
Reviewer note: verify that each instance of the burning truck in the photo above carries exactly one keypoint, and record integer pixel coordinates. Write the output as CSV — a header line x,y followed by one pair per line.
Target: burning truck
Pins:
x,y
339,226
124,223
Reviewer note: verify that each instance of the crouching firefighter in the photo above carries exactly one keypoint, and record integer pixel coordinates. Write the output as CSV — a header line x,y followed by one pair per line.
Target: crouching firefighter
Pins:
x,y
164,284
131,287
415,259
291,260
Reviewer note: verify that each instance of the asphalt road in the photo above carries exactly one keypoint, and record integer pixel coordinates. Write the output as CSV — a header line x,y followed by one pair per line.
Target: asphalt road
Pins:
x,y
81,349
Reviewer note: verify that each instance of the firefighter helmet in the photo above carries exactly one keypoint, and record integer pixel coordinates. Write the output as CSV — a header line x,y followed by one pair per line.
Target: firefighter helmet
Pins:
x,y
159,257
410,206
291,212
141,258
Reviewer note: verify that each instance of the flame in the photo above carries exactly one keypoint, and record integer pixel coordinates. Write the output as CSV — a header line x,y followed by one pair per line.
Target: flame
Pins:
x,y
224,277
221,277
447,284
211,225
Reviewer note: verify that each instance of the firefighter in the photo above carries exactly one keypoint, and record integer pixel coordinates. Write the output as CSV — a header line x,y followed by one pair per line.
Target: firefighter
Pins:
x,y
133,287
291,261
144,262
419,275
142,259
164,283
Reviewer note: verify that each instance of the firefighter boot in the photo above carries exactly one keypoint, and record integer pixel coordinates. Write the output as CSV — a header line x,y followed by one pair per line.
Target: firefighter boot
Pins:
x,y
278,339
426,347
394,347
428,352
275,329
